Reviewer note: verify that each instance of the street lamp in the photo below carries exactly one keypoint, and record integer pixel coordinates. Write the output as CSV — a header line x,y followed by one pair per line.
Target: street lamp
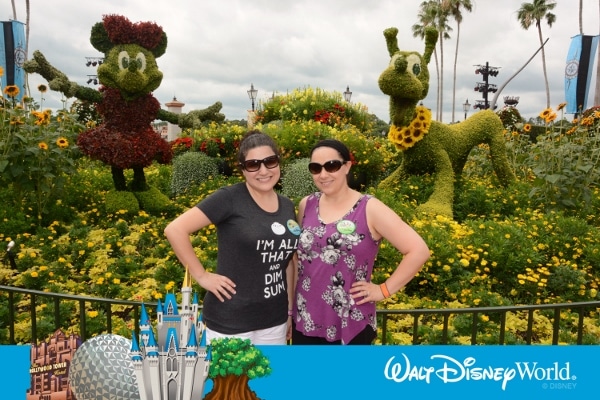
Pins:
x,y
466,107
252,94
347,94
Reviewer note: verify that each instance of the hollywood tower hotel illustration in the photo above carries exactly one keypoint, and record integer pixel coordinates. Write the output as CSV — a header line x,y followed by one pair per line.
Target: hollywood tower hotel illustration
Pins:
x,y
174,365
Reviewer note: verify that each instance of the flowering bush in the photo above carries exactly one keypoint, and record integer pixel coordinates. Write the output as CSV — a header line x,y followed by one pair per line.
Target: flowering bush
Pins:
x,y
328,108
499,250
219,141
502,247
589,120
565,162
37,151
373,157
181,145
511,118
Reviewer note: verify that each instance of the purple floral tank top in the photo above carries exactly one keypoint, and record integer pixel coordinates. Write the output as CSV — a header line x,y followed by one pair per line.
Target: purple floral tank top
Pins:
x,y
331,257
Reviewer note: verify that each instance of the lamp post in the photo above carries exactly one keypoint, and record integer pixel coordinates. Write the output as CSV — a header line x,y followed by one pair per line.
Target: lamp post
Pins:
x,y
466,107
347,94
252,94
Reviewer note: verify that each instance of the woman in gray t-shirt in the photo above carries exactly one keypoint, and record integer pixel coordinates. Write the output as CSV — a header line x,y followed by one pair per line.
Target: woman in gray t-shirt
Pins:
x,y
247,296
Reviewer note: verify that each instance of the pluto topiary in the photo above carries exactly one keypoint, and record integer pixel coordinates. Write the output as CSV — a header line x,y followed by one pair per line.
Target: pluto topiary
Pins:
x,y
430,146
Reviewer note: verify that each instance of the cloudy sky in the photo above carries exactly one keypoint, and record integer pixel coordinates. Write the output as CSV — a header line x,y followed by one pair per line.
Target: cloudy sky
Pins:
x,y
216,49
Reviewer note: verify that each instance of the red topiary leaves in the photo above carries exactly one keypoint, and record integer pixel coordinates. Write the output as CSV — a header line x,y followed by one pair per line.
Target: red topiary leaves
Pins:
x,y
122,31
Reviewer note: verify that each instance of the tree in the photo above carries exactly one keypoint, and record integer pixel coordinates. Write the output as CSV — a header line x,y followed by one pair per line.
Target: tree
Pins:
x,y
27,15
234,362
597,91
581,17
535,12
431,15
453,8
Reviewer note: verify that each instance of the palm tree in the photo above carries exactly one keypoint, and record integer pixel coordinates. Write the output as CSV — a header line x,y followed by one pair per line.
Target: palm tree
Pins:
x,y
430,14
597,91
426,18
27,14
535,12
454,8
581,17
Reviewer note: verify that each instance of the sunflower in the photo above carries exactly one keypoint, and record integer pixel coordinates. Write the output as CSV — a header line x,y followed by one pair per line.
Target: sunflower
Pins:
x,y
550,117
587,121
394,134
43,146
527,128
1,71
561,106
16,121
544,114
62,142
11,91
406,137
43,118
42,88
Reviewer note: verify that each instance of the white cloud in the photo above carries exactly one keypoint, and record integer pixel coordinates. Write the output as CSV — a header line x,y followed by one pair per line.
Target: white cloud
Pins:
x,y
216,49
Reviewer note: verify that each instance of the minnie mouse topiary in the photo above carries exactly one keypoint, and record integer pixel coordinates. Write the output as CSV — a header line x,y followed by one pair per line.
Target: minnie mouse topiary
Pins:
x,y
128,75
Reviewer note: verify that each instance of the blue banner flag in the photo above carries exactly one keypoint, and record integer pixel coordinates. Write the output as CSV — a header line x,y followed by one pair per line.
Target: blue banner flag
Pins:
x,y
12,55
578,72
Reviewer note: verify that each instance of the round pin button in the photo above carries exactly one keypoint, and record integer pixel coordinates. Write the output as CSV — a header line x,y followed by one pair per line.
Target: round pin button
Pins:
x,y
346,227
293,227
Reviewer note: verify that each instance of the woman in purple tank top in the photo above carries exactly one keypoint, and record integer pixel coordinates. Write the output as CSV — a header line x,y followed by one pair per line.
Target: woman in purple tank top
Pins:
x,y
335,300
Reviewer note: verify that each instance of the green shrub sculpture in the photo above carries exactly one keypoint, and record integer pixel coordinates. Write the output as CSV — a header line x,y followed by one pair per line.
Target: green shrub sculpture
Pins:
x,y
190,168
296,181
430,146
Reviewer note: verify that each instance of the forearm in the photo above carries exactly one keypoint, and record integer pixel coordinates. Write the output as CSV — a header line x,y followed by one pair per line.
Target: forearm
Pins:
x,y
410,265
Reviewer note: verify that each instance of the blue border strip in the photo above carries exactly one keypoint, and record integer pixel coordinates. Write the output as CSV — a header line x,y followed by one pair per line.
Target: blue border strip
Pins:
x,y
354,372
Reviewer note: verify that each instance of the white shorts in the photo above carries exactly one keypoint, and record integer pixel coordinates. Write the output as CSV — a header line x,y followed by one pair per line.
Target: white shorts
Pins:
x,y
274,335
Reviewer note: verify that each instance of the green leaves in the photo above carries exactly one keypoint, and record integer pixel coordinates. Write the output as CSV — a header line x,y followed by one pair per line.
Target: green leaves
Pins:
x,y
37,154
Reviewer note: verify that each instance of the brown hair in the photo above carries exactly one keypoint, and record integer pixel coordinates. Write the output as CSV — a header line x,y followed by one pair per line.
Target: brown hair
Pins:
x,y
253,139
340,147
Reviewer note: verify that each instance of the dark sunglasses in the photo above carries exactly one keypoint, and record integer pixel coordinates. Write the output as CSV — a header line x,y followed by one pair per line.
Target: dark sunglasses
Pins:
x,y
254,165
330,166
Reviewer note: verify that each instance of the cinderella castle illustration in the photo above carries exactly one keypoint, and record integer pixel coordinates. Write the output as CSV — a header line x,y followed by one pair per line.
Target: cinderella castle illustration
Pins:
x,y
173,365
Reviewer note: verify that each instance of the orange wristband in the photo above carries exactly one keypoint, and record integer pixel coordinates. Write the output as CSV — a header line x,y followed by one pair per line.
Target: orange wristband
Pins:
x,y
384,290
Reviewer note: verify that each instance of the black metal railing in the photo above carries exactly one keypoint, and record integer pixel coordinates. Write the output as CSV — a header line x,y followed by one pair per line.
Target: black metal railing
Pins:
x,y
130,311
582,309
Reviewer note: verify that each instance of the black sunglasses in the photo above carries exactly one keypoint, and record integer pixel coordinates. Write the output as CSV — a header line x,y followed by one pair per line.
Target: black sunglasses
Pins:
x,y
254,165
330,166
